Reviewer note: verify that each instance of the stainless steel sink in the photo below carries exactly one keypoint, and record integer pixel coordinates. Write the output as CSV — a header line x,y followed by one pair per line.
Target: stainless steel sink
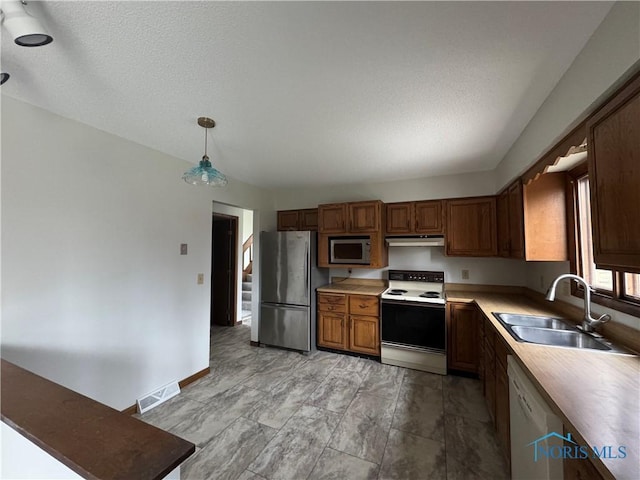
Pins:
x,y
533,321
550,331
559,338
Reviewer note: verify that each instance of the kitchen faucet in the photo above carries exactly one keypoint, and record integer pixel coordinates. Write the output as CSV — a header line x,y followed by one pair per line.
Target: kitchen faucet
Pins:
x,y
588,322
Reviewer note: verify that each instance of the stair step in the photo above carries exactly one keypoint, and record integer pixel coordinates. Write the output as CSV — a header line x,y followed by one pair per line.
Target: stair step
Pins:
x,y
248,277
246,296
247,286
246,305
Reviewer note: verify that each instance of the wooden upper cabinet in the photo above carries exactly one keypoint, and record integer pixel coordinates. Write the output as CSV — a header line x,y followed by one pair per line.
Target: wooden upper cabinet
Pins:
x,y
364,217
471,227
415,217
502,206
400,217
545,218
355,217
332,218
288,220
614,180
308,219
429,217
516,220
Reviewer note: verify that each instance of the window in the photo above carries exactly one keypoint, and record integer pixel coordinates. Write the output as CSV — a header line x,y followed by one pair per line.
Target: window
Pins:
x,y
619,290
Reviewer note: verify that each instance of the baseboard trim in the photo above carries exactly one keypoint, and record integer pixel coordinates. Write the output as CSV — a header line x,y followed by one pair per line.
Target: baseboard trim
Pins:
x,y
182,383
254,344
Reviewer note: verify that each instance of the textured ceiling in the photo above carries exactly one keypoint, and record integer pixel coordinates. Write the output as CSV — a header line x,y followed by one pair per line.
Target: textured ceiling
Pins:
x,y
311,93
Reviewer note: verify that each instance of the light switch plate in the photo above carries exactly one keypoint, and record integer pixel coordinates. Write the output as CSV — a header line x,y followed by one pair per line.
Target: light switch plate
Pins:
x,y
200,278
465,274
183,249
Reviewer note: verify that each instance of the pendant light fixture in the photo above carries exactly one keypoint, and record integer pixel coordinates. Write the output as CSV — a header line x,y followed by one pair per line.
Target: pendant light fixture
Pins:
x,y
204,173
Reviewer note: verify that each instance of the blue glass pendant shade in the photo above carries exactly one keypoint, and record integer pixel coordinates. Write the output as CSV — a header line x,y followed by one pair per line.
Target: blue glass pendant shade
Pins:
x,y
205,174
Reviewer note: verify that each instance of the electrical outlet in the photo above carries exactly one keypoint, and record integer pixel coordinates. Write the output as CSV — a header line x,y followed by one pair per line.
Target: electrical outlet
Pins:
x,y
200,278
465,274
183,249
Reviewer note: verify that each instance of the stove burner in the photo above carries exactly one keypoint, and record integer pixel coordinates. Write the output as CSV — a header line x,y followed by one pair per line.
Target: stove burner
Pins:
x,y
430,295
396,291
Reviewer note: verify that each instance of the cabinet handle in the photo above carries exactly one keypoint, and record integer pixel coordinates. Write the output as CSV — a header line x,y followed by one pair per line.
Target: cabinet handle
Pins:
x,y
363,305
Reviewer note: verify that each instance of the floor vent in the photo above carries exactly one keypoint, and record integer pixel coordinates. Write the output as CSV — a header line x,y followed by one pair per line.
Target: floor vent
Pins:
x,y
154,399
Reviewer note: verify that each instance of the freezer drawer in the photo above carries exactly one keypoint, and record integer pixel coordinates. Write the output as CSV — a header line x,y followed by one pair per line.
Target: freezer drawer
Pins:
x,y
286,326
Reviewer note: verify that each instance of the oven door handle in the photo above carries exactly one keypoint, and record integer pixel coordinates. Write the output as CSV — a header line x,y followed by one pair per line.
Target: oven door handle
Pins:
x,y
436,306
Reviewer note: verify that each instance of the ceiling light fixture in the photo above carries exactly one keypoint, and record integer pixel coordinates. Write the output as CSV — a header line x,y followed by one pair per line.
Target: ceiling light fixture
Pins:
x,y
4,77
26,30
204,173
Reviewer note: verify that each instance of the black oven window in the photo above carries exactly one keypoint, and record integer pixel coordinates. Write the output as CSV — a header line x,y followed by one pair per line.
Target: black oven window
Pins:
x,y
413,325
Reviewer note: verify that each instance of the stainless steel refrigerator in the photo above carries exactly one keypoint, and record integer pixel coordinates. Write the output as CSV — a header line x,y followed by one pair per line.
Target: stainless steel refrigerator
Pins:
x,y
288,281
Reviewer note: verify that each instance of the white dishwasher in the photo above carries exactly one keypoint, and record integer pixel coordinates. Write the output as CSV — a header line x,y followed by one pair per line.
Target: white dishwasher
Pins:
x,y
531,419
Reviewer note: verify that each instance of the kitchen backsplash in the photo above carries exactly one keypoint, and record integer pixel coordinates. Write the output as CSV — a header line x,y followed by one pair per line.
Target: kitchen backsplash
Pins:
x,y
489,271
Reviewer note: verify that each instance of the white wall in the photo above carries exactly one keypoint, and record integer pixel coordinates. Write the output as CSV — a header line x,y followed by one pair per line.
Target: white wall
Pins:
x,y
449,186
247,224
610,54
488,271
95,295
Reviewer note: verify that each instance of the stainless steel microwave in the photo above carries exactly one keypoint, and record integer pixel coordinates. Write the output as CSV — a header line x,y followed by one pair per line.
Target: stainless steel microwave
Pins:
x,y
350,250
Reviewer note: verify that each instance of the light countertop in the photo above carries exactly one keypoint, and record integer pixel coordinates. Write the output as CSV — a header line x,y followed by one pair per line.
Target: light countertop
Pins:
x,y
597,394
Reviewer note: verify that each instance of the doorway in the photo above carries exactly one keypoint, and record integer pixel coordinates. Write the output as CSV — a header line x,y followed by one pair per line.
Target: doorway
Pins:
x,y
223,269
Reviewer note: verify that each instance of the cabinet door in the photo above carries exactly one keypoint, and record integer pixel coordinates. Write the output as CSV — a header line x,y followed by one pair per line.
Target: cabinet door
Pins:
x,y
614,177
364,334
462,350
471,227
331,330
516,221
309,219
364,217
502,410
502,207
400,217
332,218
287,220
429,217
578,468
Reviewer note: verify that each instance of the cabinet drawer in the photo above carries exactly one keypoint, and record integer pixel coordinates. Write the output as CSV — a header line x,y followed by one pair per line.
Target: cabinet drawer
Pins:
x,y
363,305
330,307
332,298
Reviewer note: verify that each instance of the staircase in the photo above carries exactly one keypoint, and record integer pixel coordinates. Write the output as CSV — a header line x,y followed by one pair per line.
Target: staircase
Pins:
x,y
246,293
247,268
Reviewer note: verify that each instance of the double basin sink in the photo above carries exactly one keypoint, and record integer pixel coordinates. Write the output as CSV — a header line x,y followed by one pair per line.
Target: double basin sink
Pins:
x,y
550,331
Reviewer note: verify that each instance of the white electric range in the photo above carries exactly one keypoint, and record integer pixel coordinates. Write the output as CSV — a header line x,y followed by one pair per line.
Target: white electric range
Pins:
x,y
413,321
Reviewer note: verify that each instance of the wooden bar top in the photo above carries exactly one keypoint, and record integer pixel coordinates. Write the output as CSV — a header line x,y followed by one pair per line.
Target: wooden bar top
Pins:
x,y
597,394
92,439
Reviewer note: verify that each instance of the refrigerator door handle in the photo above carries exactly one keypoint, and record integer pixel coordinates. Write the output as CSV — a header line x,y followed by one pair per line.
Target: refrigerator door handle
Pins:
x,y
306,269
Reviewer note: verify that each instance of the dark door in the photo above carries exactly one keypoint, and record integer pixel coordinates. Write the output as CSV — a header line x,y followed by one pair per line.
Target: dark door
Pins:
x,y
223,269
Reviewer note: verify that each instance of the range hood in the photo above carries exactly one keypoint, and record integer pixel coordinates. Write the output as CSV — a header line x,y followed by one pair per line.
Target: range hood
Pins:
x,y
416,241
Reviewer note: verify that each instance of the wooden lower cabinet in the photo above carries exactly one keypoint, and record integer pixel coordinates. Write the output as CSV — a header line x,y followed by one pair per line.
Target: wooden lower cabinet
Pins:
x,y
364,334
349,322
462,325
503,416
331,331
578,468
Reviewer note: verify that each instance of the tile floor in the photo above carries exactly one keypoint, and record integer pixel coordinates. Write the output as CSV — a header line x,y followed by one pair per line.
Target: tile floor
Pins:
x,y
266,413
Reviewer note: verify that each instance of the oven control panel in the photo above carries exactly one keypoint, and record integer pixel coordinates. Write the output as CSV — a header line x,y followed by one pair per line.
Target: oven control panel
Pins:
x,y
416,276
